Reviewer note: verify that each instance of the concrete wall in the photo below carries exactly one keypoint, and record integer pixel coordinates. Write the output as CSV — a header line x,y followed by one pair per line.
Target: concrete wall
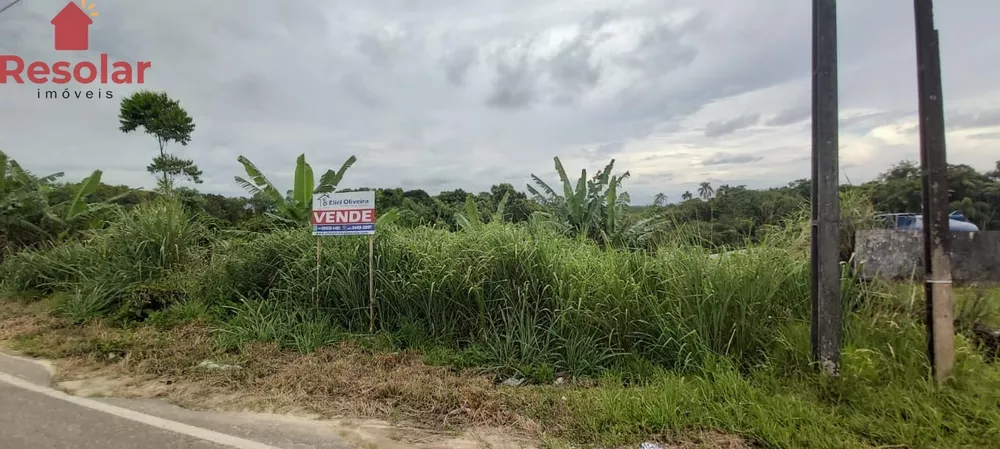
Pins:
x,y
890,253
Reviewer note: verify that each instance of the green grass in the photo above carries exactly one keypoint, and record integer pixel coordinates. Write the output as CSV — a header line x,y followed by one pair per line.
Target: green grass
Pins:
x,y
678,341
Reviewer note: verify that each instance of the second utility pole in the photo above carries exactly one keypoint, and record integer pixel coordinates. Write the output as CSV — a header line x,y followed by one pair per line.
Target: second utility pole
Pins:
x,y
934,167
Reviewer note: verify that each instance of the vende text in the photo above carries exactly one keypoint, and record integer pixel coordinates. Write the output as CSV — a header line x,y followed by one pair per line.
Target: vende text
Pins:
x,y
351,216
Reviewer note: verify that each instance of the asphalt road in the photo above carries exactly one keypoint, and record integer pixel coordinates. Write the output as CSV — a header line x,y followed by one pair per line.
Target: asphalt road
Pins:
x,y
35,416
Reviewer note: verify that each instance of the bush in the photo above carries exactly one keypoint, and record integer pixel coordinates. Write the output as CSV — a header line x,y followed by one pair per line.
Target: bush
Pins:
x,y
138,264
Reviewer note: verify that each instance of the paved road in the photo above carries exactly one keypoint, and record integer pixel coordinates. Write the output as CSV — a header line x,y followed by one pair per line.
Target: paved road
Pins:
x,y
35,416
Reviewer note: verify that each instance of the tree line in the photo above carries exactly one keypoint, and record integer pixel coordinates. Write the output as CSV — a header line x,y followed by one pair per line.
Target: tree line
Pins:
x,y
35,209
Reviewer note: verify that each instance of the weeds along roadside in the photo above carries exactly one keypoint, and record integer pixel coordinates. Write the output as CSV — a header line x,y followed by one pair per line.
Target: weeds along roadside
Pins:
x,y
701,342
516,300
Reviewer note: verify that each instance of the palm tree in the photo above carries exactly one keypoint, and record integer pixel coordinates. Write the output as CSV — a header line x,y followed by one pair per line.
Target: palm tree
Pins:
x,y
660,200
705,191
686,196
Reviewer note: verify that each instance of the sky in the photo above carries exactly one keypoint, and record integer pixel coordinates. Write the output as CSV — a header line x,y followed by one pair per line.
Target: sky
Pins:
x,y
440,95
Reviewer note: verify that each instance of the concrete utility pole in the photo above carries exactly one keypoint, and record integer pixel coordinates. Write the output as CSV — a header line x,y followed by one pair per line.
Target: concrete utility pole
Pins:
x,y
934,167
825,241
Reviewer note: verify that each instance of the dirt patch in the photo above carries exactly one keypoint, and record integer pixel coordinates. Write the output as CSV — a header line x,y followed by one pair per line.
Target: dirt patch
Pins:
x,y
362,433
24,319
394,398
711,440
373,399
377,434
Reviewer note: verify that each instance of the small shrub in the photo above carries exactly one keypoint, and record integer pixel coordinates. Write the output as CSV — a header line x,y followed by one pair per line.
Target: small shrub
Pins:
x,y
182,312
85,305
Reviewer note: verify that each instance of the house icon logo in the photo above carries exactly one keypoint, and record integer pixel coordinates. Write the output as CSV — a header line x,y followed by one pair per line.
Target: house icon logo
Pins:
x,y
72,33
72,26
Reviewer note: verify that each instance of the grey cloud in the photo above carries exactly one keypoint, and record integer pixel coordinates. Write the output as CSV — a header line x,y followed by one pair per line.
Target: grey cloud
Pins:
x,y
384,50
329,79
662,48
378,50
604,151
658,157
574,70
515,84
653,179
434,182
573,67
354,86
728,158
969,120
722,128
457,64
791,116
986,136
609,148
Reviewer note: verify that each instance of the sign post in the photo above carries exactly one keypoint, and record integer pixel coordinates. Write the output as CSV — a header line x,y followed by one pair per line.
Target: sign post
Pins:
x,y
348,213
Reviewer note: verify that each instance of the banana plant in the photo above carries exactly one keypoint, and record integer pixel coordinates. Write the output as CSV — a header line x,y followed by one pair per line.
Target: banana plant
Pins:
x,y
78,205
296,206
581,206
471,219
23,204
70,214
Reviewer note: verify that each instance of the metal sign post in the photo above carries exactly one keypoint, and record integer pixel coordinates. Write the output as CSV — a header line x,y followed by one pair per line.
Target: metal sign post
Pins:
x,y
348,213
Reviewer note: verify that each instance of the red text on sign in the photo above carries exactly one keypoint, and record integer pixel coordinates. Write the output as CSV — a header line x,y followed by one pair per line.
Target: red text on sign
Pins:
x,y
61,72
351,216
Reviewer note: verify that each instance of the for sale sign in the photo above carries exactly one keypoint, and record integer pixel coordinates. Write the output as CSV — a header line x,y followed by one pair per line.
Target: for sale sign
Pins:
x,y
351,213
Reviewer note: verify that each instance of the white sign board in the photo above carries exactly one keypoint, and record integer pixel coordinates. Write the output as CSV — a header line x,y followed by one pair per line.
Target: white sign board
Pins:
x,y
350,213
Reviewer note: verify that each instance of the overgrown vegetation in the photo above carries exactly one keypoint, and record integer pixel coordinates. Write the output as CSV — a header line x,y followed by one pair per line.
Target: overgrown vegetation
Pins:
x,y
622,322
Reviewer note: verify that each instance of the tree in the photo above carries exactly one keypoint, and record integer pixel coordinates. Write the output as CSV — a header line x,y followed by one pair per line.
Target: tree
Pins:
x,y
705,191
660,200
518,207
162,117
686,195
172,166
995,173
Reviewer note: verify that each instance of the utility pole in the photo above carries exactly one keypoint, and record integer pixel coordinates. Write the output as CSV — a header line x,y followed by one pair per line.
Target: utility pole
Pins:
x,y
825,241
934,168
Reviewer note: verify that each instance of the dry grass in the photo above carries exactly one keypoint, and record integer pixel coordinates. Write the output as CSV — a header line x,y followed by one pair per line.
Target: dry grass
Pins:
x,y
344,380
423,403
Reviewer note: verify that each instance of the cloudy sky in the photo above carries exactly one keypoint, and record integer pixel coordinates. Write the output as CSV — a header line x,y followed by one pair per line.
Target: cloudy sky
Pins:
x,y
438,95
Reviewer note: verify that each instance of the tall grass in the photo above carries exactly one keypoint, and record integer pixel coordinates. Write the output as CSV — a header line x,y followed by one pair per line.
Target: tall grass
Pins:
x,y
680,338
521,299
137,264
518,299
